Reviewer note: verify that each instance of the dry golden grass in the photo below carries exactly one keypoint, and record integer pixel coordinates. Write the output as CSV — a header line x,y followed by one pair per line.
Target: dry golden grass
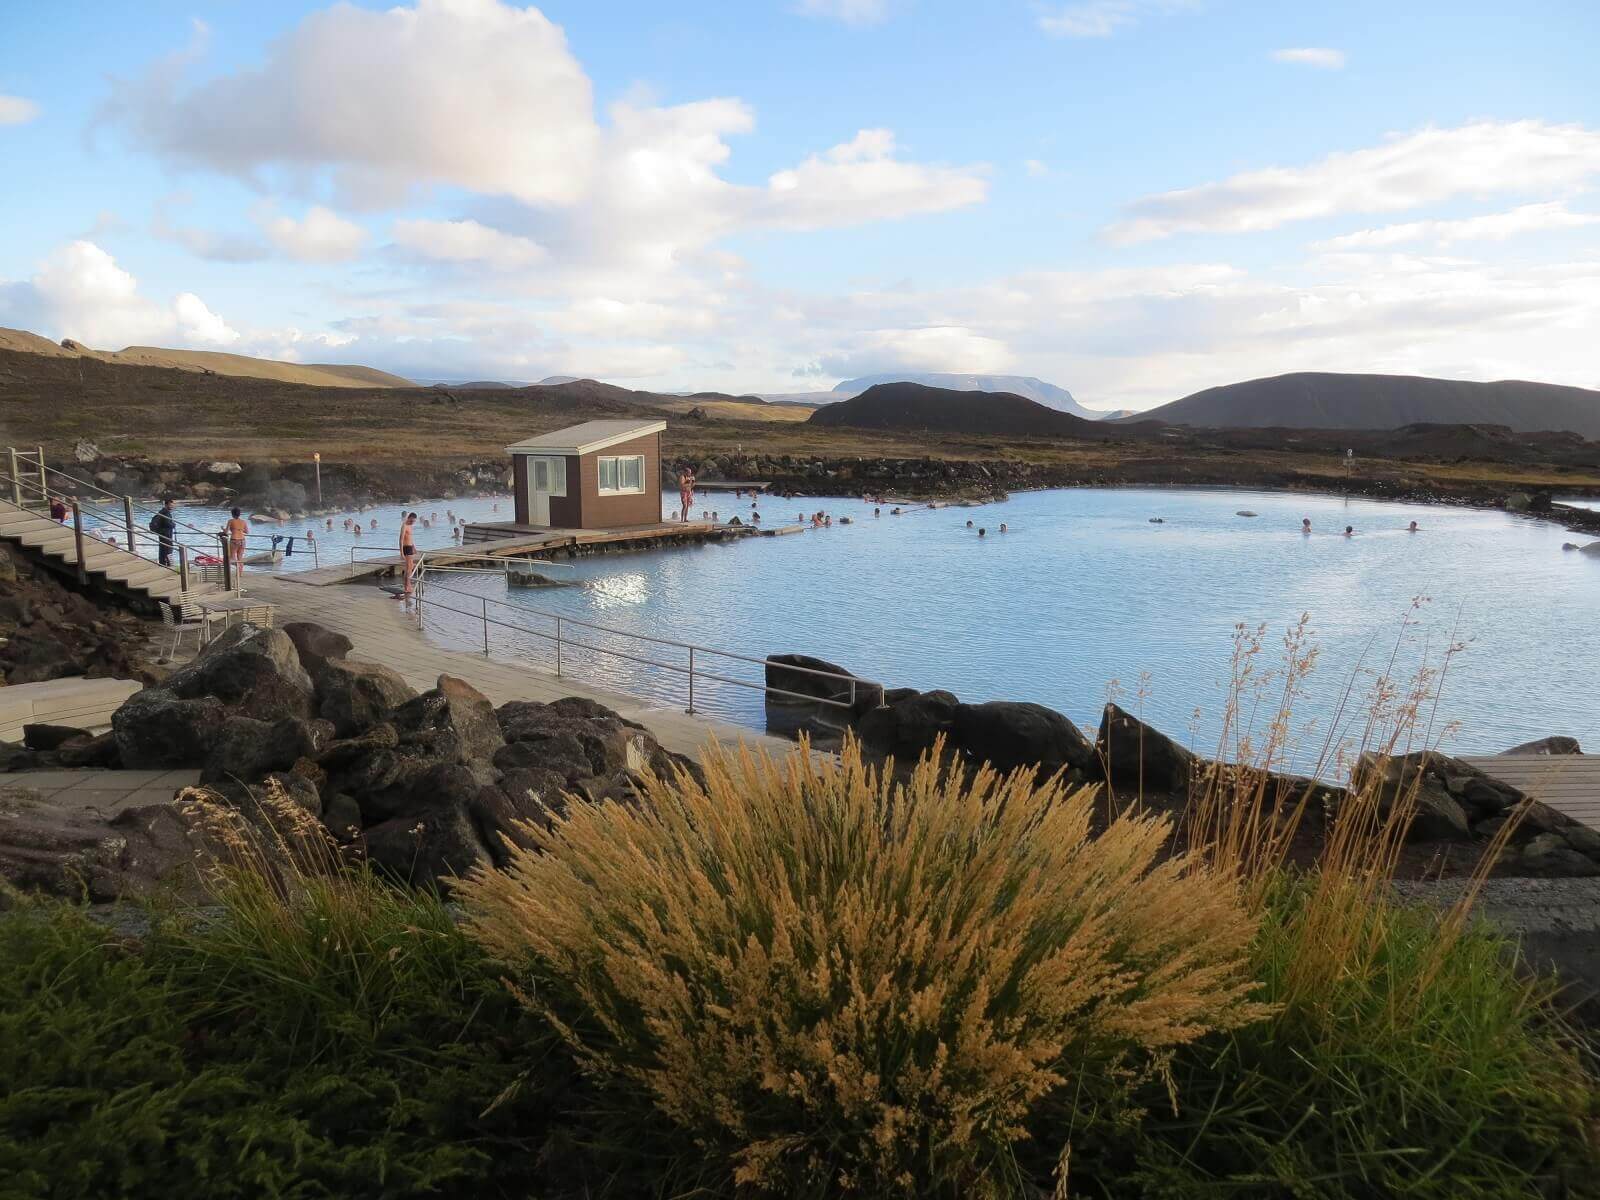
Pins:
x,y
841,982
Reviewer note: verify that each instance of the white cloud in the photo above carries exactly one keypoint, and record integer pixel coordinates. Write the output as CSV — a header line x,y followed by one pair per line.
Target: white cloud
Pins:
x,y
80,292
1406,171
1312,56
474,93
1035,168
1491,227
467,241
861,180
929,348
1102,18
850,12
15,110
321,236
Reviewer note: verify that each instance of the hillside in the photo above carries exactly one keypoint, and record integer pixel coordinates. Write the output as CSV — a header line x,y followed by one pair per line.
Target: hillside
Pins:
x,y
207,362
917,407
1318,400
1047,394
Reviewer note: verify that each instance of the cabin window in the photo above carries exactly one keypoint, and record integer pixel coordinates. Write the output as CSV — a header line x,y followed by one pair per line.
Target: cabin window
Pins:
x,y
548,474
621,475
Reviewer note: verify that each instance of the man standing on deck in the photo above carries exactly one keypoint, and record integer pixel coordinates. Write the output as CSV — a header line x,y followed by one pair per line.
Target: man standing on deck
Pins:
x,y
164,525
408,554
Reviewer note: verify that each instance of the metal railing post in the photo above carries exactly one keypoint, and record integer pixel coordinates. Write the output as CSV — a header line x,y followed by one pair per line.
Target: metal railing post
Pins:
x,y
691,680
127,514
486,627
227,563
183,568
558,647
77,539
44,484
16,479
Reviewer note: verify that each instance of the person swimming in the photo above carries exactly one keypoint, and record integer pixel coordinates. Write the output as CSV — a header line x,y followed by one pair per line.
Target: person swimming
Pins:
x,y
982,531
1411,528
1305,524
877,512
1002,526
1349,531
969,524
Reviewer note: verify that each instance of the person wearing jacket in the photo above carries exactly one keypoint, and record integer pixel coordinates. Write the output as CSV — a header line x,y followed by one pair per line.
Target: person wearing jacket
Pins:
x,y
164,525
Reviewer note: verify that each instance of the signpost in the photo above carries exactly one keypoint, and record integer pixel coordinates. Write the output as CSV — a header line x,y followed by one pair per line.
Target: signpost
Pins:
x,y
316,457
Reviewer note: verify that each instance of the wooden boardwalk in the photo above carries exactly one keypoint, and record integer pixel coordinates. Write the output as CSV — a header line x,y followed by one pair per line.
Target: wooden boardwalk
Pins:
x,y
1568,783
382,631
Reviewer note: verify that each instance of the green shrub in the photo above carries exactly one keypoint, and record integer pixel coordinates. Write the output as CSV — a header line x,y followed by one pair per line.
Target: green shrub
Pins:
x,y
831,983
1421,1064
346,1041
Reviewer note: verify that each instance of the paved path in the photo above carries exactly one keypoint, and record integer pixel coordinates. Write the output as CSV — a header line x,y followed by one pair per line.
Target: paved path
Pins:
x,y
381,631
101,793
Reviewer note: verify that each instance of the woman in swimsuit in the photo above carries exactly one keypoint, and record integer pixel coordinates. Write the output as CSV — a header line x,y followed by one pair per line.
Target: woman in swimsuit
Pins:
x,y
408,553
685,492
237,530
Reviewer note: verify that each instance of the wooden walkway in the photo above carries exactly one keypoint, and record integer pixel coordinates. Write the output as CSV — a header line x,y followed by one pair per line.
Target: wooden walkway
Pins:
x,y
382,631
1568,783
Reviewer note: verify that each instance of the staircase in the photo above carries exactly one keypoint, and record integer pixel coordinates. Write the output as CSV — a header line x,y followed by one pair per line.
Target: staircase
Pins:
x,y
110,563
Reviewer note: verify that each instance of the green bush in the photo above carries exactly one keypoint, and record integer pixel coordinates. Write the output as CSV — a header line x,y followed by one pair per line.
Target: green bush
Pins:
x,y
1421,1063
351,1043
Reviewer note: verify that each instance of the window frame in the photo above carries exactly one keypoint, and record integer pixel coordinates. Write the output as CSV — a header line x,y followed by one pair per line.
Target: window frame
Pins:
x,y
555,468
618,489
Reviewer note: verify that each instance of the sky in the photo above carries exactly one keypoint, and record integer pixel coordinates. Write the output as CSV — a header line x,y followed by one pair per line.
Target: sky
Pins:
x,y
1133,199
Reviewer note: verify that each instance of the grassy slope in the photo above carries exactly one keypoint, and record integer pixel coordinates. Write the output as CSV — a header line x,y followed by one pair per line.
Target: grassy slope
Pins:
x,y
184,416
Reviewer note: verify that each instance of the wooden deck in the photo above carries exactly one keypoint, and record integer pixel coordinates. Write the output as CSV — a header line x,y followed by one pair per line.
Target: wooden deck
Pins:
x,y
1568,783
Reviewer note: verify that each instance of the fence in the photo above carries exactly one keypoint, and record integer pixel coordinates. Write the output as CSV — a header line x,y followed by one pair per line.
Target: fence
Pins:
x,y
433,598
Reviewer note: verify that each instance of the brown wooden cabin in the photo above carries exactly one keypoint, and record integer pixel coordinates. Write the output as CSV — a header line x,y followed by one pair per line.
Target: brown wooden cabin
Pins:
x,y
597,475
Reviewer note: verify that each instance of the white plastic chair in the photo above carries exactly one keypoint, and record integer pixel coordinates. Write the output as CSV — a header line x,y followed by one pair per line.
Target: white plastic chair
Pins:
x,y
184,613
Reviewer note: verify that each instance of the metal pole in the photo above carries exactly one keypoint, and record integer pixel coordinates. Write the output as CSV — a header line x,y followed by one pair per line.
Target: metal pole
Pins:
x,y
691,680
44,484
558,647
16,480
486,627
127,515
227,563
183,568
77,538
317,458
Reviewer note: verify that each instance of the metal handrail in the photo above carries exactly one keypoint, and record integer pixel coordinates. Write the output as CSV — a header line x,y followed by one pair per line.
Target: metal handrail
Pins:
x,y
690,669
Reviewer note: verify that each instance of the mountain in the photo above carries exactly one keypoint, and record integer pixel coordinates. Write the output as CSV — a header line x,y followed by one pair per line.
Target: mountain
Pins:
x,y
919,408
207,362
1047,394
1325,400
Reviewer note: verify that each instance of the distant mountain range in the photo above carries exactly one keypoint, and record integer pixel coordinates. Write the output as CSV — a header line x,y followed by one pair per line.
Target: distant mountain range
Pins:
x,y
915,407
1322,400
1037,390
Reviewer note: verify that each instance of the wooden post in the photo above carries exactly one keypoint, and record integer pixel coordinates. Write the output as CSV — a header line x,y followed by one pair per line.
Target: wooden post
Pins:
x,y
227,563
77,538
127,516
16,479
44,484
183,567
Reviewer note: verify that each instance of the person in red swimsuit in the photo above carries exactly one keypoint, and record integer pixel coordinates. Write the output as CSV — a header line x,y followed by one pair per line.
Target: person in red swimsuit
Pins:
x,y
238,530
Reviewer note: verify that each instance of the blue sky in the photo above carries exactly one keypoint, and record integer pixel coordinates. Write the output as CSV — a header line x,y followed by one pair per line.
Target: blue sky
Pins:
x,y
1134,199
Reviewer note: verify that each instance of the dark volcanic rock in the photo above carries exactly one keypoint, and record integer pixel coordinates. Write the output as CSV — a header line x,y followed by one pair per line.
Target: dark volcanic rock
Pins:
x,y
907,726
316,645
358,695
51,737
98,751
1136,756
37,658
255,670
155,728
1557,744
573,737
440,844
792,673
451,722
1420,781
1009,734
248,749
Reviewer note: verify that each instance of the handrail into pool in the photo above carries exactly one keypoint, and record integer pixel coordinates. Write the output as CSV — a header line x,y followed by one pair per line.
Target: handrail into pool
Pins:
x,y
689,669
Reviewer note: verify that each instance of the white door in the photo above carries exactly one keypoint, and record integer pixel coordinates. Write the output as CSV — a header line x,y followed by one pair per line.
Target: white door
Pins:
x,y
547,476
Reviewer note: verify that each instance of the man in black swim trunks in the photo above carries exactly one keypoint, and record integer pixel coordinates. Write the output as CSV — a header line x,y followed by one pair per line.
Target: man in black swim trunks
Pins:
x,y
408,553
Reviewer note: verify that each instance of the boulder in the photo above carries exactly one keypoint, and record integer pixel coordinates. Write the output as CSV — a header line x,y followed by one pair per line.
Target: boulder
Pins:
x,y
1008,734
155,728
342,816
255,670
1422,780
316,644
451,722
441,844
52,737
906,726
99,751
246,748
1556,744
1519,502
358,695
1551,854
1134,755
572,736
792,673
34,656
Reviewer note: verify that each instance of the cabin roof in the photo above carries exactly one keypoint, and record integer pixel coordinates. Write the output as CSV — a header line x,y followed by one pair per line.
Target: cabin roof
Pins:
x,y
586,438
